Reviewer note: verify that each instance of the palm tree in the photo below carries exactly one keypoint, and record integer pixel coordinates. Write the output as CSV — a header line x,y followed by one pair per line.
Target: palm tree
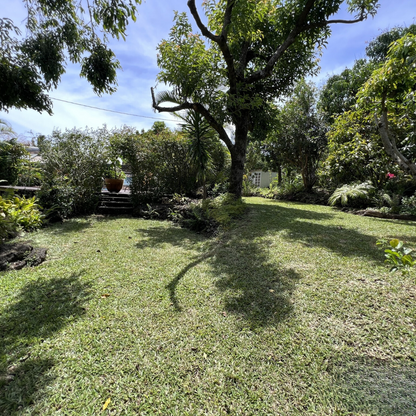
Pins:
x,y
6,131
200,135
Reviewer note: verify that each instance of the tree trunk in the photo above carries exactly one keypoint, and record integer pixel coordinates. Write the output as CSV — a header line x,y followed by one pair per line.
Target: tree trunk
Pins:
x,y
279,175
390,147
238,156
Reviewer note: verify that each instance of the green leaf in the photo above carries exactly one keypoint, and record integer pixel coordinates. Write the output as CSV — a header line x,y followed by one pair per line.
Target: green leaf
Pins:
x,y
395,243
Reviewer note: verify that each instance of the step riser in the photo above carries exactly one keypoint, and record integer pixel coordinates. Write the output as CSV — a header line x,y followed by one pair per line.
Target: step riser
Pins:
x,y
115,204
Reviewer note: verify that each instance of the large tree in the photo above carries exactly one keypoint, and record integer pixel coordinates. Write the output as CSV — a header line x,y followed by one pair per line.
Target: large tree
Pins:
x,y
58,32
253,52
389,96
299,137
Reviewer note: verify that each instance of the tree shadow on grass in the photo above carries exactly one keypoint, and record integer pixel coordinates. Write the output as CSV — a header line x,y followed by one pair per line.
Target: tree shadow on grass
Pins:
x,y
253,286
68,227
306,226
42,308
175,236
369,386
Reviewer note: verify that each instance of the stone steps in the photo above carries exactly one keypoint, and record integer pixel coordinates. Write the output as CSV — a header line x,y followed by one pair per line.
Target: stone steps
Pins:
x,y
112,203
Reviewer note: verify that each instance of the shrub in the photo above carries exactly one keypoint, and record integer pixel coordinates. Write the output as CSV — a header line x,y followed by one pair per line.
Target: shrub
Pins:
x,y
158,162
397,255
21,212
7,227
73,166
351,195
408,205
210,214
12,156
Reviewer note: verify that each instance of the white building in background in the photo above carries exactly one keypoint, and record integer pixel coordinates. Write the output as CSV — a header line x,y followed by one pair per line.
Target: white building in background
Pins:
x,y
262,179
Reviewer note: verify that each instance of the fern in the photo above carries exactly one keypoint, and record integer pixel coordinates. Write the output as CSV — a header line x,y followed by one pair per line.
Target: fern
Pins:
x,y
350,192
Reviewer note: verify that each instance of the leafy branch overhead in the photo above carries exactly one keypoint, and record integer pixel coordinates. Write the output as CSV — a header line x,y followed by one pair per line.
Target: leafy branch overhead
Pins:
x,y
248,54
59,32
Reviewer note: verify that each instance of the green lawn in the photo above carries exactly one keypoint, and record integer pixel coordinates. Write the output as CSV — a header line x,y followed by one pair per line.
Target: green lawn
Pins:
x,y
292,312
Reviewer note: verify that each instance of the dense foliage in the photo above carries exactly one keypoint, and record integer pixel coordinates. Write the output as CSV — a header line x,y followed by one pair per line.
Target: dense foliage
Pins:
x,y
73,164
18,213
12,155
58,32
298,140
390,97
371,111
161,162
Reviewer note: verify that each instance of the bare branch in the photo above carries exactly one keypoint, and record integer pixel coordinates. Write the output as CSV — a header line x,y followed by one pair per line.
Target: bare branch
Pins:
x,y
199,108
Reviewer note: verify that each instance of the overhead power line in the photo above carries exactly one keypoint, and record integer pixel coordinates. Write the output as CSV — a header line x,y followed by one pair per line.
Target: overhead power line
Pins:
x,y
113,111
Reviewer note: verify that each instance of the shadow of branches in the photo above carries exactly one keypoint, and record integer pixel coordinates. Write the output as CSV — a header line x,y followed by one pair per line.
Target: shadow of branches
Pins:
x,y
254,286
42,308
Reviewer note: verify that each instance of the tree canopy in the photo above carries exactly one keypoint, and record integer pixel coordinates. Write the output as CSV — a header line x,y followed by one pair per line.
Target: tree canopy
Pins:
x,y
299,137
390,97
58,32
253,52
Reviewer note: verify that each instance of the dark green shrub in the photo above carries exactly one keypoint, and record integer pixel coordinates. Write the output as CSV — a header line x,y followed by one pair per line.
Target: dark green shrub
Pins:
x,y
159,163
12,155
210,214
29,173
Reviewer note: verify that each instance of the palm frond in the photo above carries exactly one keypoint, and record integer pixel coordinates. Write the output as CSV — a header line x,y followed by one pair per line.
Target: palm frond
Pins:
x,y
167,97
347,192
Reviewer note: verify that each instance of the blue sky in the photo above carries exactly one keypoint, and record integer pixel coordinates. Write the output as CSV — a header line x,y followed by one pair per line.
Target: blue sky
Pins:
x,y
138,58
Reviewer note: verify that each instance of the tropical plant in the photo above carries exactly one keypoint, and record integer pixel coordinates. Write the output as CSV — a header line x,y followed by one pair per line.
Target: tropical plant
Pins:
x,y
408,205
397,255
201,136
73,165
299,138
346,193
12,154
22,212
389,96
159,163
354,152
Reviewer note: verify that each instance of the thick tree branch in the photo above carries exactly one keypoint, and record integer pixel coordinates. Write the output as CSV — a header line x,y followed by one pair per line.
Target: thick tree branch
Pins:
x,y
201,110
221,40
204,30
300,27
267,70
389,142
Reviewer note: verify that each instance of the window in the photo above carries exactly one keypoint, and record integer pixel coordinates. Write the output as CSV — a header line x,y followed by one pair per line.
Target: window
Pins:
x,y
255,178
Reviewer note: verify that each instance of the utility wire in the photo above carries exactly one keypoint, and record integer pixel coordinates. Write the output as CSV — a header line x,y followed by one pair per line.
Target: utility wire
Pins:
x,y
113,111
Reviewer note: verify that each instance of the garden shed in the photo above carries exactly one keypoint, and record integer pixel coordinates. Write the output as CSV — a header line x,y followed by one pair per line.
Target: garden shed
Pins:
x,y
262,179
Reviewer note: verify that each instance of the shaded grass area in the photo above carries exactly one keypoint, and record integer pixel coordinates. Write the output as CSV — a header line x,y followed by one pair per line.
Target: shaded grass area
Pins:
x,y
292,312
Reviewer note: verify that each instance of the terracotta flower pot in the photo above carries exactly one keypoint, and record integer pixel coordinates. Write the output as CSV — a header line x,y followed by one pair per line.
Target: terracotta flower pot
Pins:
x,y
113,185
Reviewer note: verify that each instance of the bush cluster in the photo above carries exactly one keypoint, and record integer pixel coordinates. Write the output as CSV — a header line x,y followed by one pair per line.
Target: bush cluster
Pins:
x,y
18,213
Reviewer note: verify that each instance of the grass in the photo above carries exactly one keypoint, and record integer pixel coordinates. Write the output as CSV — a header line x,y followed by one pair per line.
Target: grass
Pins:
x,y
290,313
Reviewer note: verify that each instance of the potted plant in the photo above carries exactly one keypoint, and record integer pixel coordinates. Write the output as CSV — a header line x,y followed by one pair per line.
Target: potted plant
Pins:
x,y
115,176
